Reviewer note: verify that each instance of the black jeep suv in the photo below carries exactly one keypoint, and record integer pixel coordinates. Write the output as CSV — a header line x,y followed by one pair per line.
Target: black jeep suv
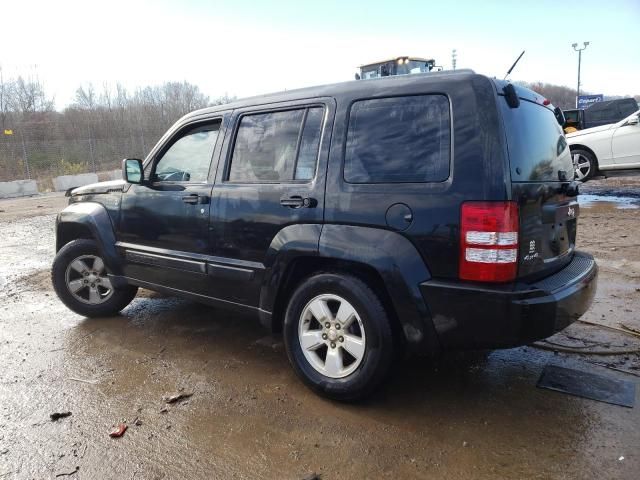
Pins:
x,y
405,214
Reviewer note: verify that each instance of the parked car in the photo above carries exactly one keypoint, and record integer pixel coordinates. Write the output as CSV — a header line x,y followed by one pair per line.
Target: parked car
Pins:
x,y
608,147
599,113
364,220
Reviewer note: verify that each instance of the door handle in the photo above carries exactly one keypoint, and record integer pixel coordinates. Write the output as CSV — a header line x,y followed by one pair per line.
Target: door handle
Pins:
x,y
195,199
296,201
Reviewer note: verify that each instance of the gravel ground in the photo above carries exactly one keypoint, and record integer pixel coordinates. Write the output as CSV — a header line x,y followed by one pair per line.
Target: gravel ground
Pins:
x,y
465,415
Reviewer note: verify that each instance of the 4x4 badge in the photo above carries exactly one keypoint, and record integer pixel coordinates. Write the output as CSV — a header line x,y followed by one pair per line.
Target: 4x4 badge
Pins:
x,y
571,212
532,246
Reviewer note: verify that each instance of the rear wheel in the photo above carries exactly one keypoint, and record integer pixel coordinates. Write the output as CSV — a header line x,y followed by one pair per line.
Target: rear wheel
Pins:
x,y
338,336
80,280
584,164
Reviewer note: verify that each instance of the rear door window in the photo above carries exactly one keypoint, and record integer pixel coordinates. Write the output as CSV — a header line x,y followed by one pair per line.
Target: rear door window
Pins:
x,y
398,140
309,145
537,148
277,146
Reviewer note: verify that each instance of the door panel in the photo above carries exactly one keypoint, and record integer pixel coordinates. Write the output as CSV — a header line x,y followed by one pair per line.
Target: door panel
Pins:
x,y
166,220
625,145
273,183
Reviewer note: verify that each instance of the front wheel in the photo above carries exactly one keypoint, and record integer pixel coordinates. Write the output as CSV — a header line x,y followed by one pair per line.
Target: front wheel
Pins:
x,y
338,336
80,280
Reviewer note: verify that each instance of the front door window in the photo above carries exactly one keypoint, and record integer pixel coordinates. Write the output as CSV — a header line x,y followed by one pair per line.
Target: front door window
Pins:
x,y
188,158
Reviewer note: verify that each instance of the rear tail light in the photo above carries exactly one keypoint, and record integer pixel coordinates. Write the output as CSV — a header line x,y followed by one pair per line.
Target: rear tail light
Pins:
x,y
489,241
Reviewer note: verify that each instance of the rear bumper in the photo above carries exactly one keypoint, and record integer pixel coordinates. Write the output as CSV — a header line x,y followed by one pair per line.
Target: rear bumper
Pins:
x,y
481,316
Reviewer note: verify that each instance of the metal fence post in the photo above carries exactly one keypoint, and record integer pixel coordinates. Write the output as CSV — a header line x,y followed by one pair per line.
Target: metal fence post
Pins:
x,y
93,159
26,159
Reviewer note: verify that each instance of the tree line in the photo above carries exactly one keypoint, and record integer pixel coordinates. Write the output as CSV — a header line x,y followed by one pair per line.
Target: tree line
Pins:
x,y
561,96
26,108
101,126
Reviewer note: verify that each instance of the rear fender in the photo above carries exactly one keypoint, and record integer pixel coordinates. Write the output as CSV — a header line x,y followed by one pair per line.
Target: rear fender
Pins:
x,y
402,269
293,241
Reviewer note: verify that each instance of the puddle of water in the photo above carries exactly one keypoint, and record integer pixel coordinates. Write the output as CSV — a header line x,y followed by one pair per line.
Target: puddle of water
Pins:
x,y
589,201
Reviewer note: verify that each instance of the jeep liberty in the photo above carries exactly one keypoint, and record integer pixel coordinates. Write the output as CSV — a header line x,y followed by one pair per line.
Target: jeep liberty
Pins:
x,y
400,215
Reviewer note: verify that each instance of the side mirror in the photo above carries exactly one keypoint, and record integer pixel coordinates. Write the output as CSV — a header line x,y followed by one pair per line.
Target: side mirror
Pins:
x,y
633,120
132,170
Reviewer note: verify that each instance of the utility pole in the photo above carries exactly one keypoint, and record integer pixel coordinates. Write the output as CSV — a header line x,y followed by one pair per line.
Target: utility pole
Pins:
x,y
579,50
454,56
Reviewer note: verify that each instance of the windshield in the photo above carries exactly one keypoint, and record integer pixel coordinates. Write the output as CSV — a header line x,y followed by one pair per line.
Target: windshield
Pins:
x,y
413,66
537,148
386,69
370,72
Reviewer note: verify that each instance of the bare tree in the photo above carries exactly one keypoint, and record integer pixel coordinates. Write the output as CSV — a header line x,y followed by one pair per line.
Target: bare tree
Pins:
x,y
29,96
5,93
86,97
560,96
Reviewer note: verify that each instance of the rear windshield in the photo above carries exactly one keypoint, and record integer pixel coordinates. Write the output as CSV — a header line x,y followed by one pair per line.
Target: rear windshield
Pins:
x,y
538,150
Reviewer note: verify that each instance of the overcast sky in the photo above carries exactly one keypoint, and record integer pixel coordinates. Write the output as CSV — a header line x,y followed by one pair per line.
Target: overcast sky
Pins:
x,y
245,47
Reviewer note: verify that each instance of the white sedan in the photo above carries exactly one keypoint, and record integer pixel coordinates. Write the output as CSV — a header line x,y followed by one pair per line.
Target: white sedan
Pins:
x,y
608,147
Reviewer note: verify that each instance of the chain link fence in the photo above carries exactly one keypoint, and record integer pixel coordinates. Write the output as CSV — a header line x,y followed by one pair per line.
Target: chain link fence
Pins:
x,y
42,160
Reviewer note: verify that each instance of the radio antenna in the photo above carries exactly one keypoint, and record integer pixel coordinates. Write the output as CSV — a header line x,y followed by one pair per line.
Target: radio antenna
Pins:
x,y
514,65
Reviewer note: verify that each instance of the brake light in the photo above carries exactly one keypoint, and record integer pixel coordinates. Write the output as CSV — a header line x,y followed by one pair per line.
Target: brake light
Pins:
x,y
489,241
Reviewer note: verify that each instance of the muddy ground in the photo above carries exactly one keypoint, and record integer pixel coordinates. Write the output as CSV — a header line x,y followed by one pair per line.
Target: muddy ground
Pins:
x,y
473,415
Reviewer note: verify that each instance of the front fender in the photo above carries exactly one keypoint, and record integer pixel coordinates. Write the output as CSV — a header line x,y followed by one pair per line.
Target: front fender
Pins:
x,y
401,267
94,218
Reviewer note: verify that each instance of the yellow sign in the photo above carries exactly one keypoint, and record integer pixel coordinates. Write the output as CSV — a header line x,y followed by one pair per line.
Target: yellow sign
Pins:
x,y
8,132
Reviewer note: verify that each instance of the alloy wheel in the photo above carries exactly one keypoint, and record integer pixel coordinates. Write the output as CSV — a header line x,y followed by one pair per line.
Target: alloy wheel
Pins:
x,y
332,337
581,165
87,280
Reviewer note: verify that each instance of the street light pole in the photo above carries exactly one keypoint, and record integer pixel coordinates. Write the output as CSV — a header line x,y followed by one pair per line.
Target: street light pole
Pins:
x,y
579,50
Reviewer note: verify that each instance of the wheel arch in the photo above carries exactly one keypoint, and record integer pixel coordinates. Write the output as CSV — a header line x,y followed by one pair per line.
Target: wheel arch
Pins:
x,y
579,146
304,266
385,260
89,220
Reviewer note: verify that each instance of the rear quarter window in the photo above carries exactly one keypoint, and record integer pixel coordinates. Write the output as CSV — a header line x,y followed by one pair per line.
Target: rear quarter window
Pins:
x,y
398,140
537,148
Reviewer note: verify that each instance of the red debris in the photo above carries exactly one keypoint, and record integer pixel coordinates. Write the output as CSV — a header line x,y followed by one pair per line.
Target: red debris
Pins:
x,y
118,431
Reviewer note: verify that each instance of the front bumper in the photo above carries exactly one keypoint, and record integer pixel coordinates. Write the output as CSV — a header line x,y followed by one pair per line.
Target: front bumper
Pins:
x,y
481,316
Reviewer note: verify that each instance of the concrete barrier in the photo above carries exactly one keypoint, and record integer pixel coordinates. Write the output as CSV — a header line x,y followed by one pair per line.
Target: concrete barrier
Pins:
x,y
115,175
65,182
18,188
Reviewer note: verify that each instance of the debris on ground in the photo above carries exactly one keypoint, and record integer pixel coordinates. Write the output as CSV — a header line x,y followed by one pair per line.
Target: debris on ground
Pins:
x,y
589,385
67,474
270,341
118,431
631,330
91,382
55,416
137,422
312,476
177,397
164,410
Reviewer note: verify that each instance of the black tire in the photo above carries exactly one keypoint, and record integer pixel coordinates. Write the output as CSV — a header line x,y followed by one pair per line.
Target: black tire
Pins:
x,y
119,299
379,346
584,170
